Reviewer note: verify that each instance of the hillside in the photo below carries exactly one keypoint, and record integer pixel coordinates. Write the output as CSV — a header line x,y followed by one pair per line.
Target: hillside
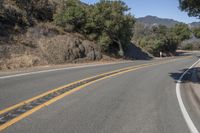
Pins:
x,y
36,33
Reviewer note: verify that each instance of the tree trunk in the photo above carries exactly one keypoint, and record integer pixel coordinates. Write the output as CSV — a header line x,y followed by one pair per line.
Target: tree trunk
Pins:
x,y
121,51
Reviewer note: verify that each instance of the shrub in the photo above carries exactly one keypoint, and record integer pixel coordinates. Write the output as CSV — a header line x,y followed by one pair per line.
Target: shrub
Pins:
x,y
107,22
72,14
155,39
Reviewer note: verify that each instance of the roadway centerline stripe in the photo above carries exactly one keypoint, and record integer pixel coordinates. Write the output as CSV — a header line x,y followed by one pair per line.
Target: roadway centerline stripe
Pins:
x,y
19,111
46,93
185,114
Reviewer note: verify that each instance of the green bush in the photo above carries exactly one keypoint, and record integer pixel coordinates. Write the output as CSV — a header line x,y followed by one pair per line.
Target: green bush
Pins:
x,y
196,32
155,39
107,22
181,31
72,14
36,10
104,42
190,45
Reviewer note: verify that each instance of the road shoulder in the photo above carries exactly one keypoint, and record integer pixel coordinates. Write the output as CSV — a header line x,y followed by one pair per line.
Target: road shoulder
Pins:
x,y
195,84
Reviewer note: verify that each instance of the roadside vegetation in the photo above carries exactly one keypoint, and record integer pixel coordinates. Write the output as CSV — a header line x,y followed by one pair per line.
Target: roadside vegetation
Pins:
x,y
40,32
62,31
157,38
17,15
196,32
106,22
194,42
192,7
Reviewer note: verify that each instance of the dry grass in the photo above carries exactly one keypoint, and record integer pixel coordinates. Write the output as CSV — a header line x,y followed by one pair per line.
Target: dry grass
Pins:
x,y
20,61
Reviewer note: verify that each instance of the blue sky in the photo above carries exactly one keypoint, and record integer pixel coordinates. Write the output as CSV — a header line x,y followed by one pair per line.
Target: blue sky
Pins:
x,y
160,8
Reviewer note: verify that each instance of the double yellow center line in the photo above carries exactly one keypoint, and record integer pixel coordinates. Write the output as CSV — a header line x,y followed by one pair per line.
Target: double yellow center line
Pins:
x,y
19,111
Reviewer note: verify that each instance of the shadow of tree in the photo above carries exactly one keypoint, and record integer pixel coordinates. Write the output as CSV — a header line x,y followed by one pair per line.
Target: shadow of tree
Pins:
x,y
136,53
193,75
182,53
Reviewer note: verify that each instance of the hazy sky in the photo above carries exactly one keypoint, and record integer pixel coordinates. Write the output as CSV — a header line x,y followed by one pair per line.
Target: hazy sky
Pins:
x,y
160,8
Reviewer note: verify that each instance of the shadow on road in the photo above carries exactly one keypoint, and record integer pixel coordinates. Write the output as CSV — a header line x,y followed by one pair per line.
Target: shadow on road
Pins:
x,y
182,53
192,75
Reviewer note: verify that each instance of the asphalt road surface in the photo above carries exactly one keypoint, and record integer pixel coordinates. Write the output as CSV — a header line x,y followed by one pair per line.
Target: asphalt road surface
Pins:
x,y
139,101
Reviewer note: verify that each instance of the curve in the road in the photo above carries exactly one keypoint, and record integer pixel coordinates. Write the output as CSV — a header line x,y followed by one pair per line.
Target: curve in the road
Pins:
x,y
17,112
186,116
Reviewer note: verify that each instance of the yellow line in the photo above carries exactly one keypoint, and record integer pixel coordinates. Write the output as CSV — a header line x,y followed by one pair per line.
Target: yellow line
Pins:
x,y
54,90
11,122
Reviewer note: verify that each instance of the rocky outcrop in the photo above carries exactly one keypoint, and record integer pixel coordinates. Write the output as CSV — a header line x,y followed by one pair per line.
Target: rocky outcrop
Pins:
x,y
42,45
67,48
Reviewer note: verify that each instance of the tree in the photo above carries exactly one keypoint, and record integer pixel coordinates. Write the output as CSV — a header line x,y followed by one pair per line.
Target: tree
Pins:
x,y
196,32
109,20
157,38
181,31
41,10
11,18
190,6
139,30
72,14
106,22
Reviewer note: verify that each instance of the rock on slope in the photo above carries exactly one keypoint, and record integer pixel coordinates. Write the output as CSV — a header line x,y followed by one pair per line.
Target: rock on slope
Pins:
x,y
42,45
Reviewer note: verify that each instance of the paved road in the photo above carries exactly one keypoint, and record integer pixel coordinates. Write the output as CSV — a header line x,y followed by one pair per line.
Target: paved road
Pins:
x,y
141,101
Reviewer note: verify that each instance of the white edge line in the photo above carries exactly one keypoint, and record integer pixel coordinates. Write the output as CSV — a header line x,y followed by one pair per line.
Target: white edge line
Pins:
x,y
59,69
185,114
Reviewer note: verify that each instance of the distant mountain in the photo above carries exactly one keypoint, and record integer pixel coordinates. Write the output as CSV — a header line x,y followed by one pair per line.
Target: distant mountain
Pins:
x,y
151,20
195,24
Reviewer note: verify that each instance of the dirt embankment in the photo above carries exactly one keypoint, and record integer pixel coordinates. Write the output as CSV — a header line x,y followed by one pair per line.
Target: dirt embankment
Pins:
x,y
45,44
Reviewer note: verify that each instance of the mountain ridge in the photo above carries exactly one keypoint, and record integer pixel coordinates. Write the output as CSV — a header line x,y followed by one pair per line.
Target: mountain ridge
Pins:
x,y
151,20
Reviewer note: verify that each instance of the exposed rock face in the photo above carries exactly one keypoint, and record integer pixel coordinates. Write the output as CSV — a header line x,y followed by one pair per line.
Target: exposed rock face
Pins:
x,y
65,48
43,45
